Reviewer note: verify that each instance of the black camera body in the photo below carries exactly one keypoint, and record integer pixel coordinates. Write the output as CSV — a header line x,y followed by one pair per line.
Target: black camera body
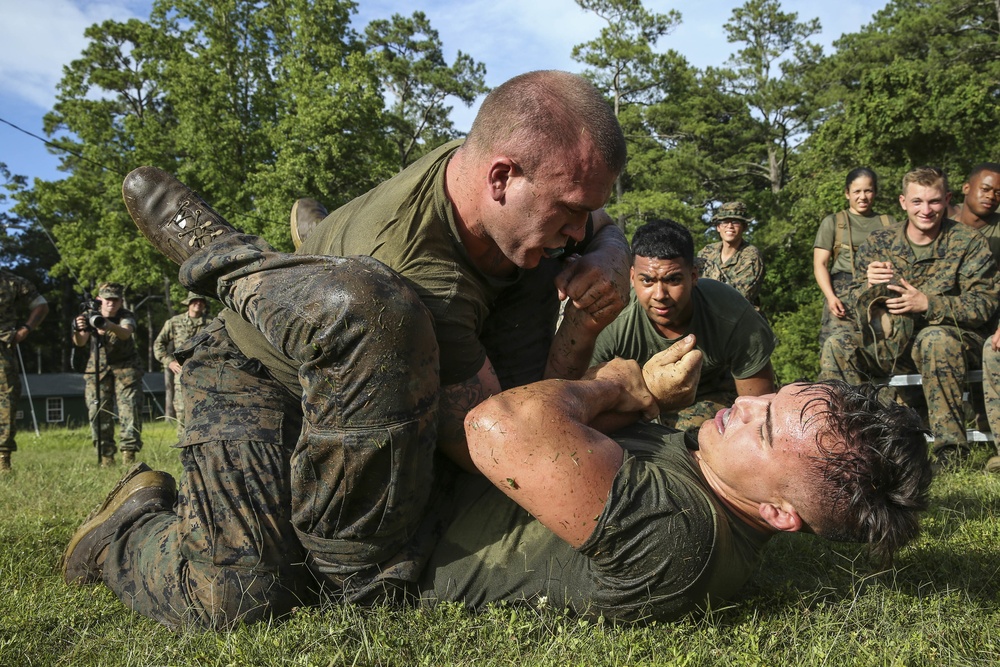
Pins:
x,y
92,313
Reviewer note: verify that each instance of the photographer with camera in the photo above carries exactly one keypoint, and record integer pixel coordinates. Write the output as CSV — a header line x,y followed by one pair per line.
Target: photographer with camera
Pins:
x,y
17,296
113,372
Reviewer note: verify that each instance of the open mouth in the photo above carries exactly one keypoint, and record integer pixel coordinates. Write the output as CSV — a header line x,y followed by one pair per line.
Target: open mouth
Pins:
x,y
554,253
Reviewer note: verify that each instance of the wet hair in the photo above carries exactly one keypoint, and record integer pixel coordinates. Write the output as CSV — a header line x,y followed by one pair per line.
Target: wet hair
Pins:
x,y
873,471
534,114
984,166
663,239
855,174
927,177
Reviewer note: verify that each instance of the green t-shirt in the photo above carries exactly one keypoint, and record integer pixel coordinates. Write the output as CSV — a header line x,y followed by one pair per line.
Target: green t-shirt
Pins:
x,y
407,223
734,339
859,227
663,545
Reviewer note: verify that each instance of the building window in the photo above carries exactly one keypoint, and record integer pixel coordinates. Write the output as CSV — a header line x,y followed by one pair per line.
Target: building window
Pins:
x,y
54,410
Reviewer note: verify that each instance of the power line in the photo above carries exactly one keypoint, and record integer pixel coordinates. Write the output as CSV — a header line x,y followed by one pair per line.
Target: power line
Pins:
x,y
97,164
56,146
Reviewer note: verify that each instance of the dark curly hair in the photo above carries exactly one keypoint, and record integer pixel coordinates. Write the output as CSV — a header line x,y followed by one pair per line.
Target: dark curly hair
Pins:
x,y
873,471
662,238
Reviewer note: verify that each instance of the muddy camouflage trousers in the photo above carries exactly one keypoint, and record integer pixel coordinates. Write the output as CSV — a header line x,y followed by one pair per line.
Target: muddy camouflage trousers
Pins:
x,y
829,323
121,388
10,394
941,355
281,494
991,389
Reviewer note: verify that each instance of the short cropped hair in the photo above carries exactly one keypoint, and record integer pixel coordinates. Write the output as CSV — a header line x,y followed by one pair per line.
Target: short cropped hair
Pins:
x,y
663,239
927,177
535,113
874,471
855,174
981,167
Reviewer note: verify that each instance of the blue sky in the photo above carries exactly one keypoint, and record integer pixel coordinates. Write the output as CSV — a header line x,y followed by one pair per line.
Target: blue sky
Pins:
x,y
39,37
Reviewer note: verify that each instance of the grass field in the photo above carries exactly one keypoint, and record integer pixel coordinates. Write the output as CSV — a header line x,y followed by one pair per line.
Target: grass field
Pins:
x,y
811,603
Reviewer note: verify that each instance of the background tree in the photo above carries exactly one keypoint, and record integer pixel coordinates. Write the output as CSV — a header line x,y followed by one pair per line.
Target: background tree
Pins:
x,y
918,85
412,68
623,63
769,73
328,137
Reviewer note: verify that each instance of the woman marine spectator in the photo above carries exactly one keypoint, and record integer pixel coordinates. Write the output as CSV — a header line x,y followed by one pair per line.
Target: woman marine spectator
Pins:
x,y
839,236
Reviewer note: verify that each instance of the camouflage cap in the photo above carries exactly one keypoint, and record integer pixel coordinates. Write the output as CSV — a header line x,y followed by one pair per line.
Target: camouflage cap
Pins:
x,y
732,210
191,296
111,291
884,336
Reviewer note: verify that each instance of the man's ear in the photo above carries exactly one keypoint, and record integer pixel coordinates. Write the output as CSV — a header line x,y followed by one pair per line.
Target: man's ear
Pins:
x,y
781,517
965,188
502,168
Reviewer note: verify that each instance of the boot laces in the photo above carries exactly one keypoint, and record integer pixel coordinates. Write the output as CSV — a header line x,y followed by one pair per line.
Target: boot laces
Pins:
x,y
200,229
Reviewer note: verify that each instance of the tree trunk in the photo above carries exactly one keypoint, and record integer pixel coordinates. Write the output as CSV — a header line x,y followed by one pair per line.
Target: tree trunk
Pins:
x,y
774,169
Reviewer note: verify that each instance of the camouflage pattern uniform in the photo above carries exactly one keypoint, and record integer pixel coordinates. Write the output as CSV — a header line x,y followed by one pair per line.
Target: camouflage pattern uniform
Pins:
x,y
279,490
959,279
175,332
17,295
744,271
991,389
121,385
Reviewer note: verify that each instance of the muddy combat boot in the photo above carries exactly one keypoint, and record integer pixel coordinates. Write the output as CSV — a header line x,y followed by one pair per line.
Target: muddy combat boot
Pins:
x,y
168,213
140,491
107,461
128,457
4,462
306,214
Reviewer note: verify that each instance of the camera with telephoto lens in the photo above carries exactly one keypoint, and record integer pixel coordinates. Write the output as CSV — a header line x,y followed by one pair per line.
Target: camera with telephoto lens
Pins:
x,y
92,313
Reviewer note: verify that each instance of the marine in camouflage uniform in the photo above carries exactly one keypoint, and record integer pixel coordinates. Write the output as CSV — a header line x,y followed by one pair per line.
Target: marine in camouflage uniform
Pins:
x,y
979,212
120,376
957,273
744,268
17,296
175,332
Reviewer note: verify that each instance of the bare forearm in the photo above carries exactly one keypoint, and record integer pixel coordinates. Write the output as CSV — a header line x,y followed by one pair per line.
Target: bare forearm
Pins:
x,y
572,347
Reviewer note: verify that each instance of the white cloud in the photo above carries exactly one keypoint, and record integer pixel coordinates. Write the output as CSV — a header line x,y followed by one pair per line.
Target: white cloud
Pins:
x,y
39,37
